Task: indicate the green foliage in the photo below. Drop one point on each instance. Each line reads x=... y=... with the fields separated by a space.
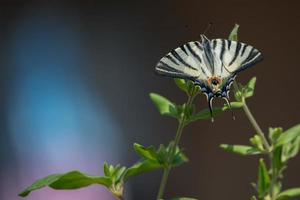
x=140 y=167
x=274 y=134
x=164 y=106
x=281 y=146
x=181 y=84
x=40 y=184
x=187 y=86
x=284 y=145
x=245 y=91
x=289 y=136
x=234 y=33
x=257 y=142
x=248 y=91
x=114 y=176
x=263 y=182
x=289 y=194
x=161 y=157
x=240 y=149
x=70 y=180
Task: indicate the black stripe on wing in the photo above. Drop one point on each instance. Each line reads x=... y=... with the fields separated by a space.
x=254 y=57
x=197 y=57
x=180 y=59
x=188 y=46
x=236 y=53
x=222 y=50
x=173 y=60
x=164 y=69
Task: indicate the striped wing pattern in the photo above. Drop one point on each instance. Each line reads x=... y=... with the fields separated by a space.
x=235 y=56
x=186 y=61
x=189 y=61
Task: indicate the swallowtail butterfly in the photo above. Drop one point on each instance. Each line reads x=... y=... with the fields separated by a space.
x=211 y=64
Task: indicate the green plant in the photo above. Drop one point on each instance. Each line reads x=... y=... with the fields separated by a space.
x=279 y=148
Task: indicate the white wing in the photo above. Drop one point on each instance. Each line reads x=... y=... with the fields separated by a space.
x=187 y=61
x=235 y=56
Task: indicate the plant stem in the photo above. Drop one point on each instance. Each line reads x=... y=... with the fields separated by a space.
x=274 y=175
x=274 y=178
x=168 y=168
x=255 y=125
x=163 y=183
x=253 y=121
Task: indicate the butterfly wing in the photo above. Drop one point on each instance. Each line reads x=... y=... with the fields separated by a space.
x=235 y=56
x=186 y=61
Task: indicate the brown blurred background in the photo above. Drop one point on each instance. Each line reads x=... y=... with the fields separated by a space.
x=120 y=43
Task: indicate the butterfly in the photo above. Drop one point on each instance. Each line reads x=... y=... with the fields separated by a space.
x=211 y=64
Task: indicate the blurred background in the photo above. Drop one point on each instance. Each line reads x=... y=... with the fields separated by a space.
x=75 y=78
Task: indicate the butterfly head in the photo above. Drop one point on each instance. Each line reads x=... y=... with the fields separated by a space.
x=215 y=83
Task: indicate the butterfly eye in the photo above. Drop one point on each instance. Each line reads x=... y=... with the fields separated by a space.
x=215 y=82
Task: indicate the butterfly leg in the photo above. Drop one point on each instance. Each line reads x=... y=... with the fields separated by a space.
x=210 y=99
x=229 y=106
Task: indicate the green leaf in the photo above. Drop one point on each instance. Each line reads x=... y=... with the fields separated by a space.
x=155 y=159
x=238 y=96
x=234 y=33
x=253 y=198
x=294 y=149
x=142 y=166
x=289 y=135
x=274 y=134
x=76 y=179
x=118 y=174
x=249 y=88
x=290 y=149
x=256 y=141
x=192 y=89
x=43 y=182
x=181 y=83
x=106 y=169
x=236 y=104
x=164 y=154
x=164 y=106
x=147 y=153
x=70 y=180
x=277 y=159
x=205 y=114
x=263 y=182
x=288 y=194
x=179 y=158
x=277 y=188
x=240 y=149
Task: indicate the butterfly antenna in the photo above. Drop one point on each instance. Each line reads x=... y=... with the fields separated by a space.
x=210 y=101
x=229 y=106
x=207 y=27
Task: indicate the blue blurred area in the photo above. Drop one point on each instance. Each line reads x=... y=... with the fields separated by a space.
x=55 y=124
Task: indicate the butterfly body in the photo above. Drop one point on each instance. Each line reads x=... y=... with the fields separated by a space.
x=211 y=64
